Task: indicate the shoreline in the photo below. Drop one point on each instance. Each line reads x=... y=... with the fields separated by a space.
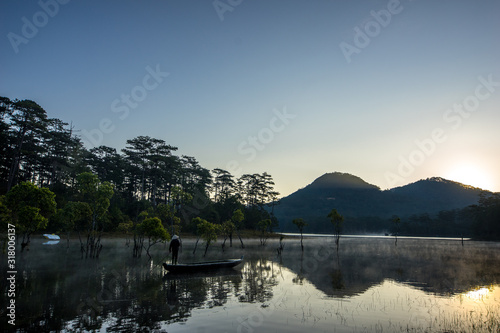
x=293 y=234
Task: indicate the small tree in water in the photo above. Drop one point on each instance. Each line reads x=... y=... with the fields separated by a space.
x=76 y=216
x=125 y=228
x=396 y=221
x=337 y=221
x=227 y=228
x=237 y=219
x=97 y=195
x=264 y=226
x=197 y=221
x=153 y=229
x=31 y=208
x=208 y=232
x=300 y=223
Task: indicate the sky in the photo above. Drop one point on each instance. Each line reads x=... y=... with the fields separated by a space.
x=390 y=91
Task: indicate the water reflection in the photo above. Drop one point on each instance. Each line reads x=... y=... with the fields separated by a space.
x=57 y=291
x=479 y=293
x=439 y=267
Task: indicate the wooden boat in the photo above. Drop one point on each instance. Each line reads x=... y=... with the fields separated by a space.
x=203 y=266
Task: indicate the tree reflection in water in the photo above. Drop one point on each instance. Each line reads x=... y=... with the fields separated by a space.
x=57 y=291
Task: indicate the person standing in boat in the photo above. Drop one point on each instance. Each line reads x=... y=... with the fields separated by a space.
x=175 y=244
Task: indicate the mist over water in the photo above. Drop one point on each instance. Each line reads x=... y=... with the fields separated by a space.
x=369 y=285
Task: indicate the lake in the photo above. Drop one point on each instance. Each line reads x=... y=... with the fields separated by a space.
x=369 y=285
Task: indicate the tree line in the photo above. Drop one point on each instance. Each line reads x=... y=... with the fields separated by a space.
x=479 y=221
x=100 y=189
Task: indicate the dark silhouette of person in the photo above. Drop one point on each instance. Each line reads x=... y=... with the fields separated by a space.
x=175 y=244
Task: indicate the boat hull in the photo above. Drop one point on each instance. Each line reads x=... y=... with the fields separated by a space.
x=202 y=266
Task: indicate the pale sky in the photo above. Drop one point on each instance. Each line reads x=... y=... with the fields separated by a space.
x=390 y=91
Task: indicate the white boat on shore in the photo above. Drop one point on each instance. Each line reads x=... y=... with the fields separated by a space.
x=51 y=236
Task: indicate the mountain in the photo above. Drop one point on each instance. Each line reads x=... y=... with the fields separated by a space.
x=433 y=195
x=364 y=203
x=341 y=181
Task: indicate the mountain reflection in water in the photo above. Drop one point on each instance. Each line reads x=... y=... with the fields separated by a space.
x=368 y=285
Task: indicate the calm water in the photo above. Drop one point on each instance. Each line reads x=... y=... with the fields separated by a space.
x=369 y=286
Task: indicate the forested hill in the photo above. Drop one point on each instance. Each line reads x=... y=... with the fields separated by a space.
x=363 y=204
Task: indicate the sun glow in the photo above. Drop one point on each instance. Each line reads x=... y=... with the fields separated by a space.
x=472 y=175
x=478 y=294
